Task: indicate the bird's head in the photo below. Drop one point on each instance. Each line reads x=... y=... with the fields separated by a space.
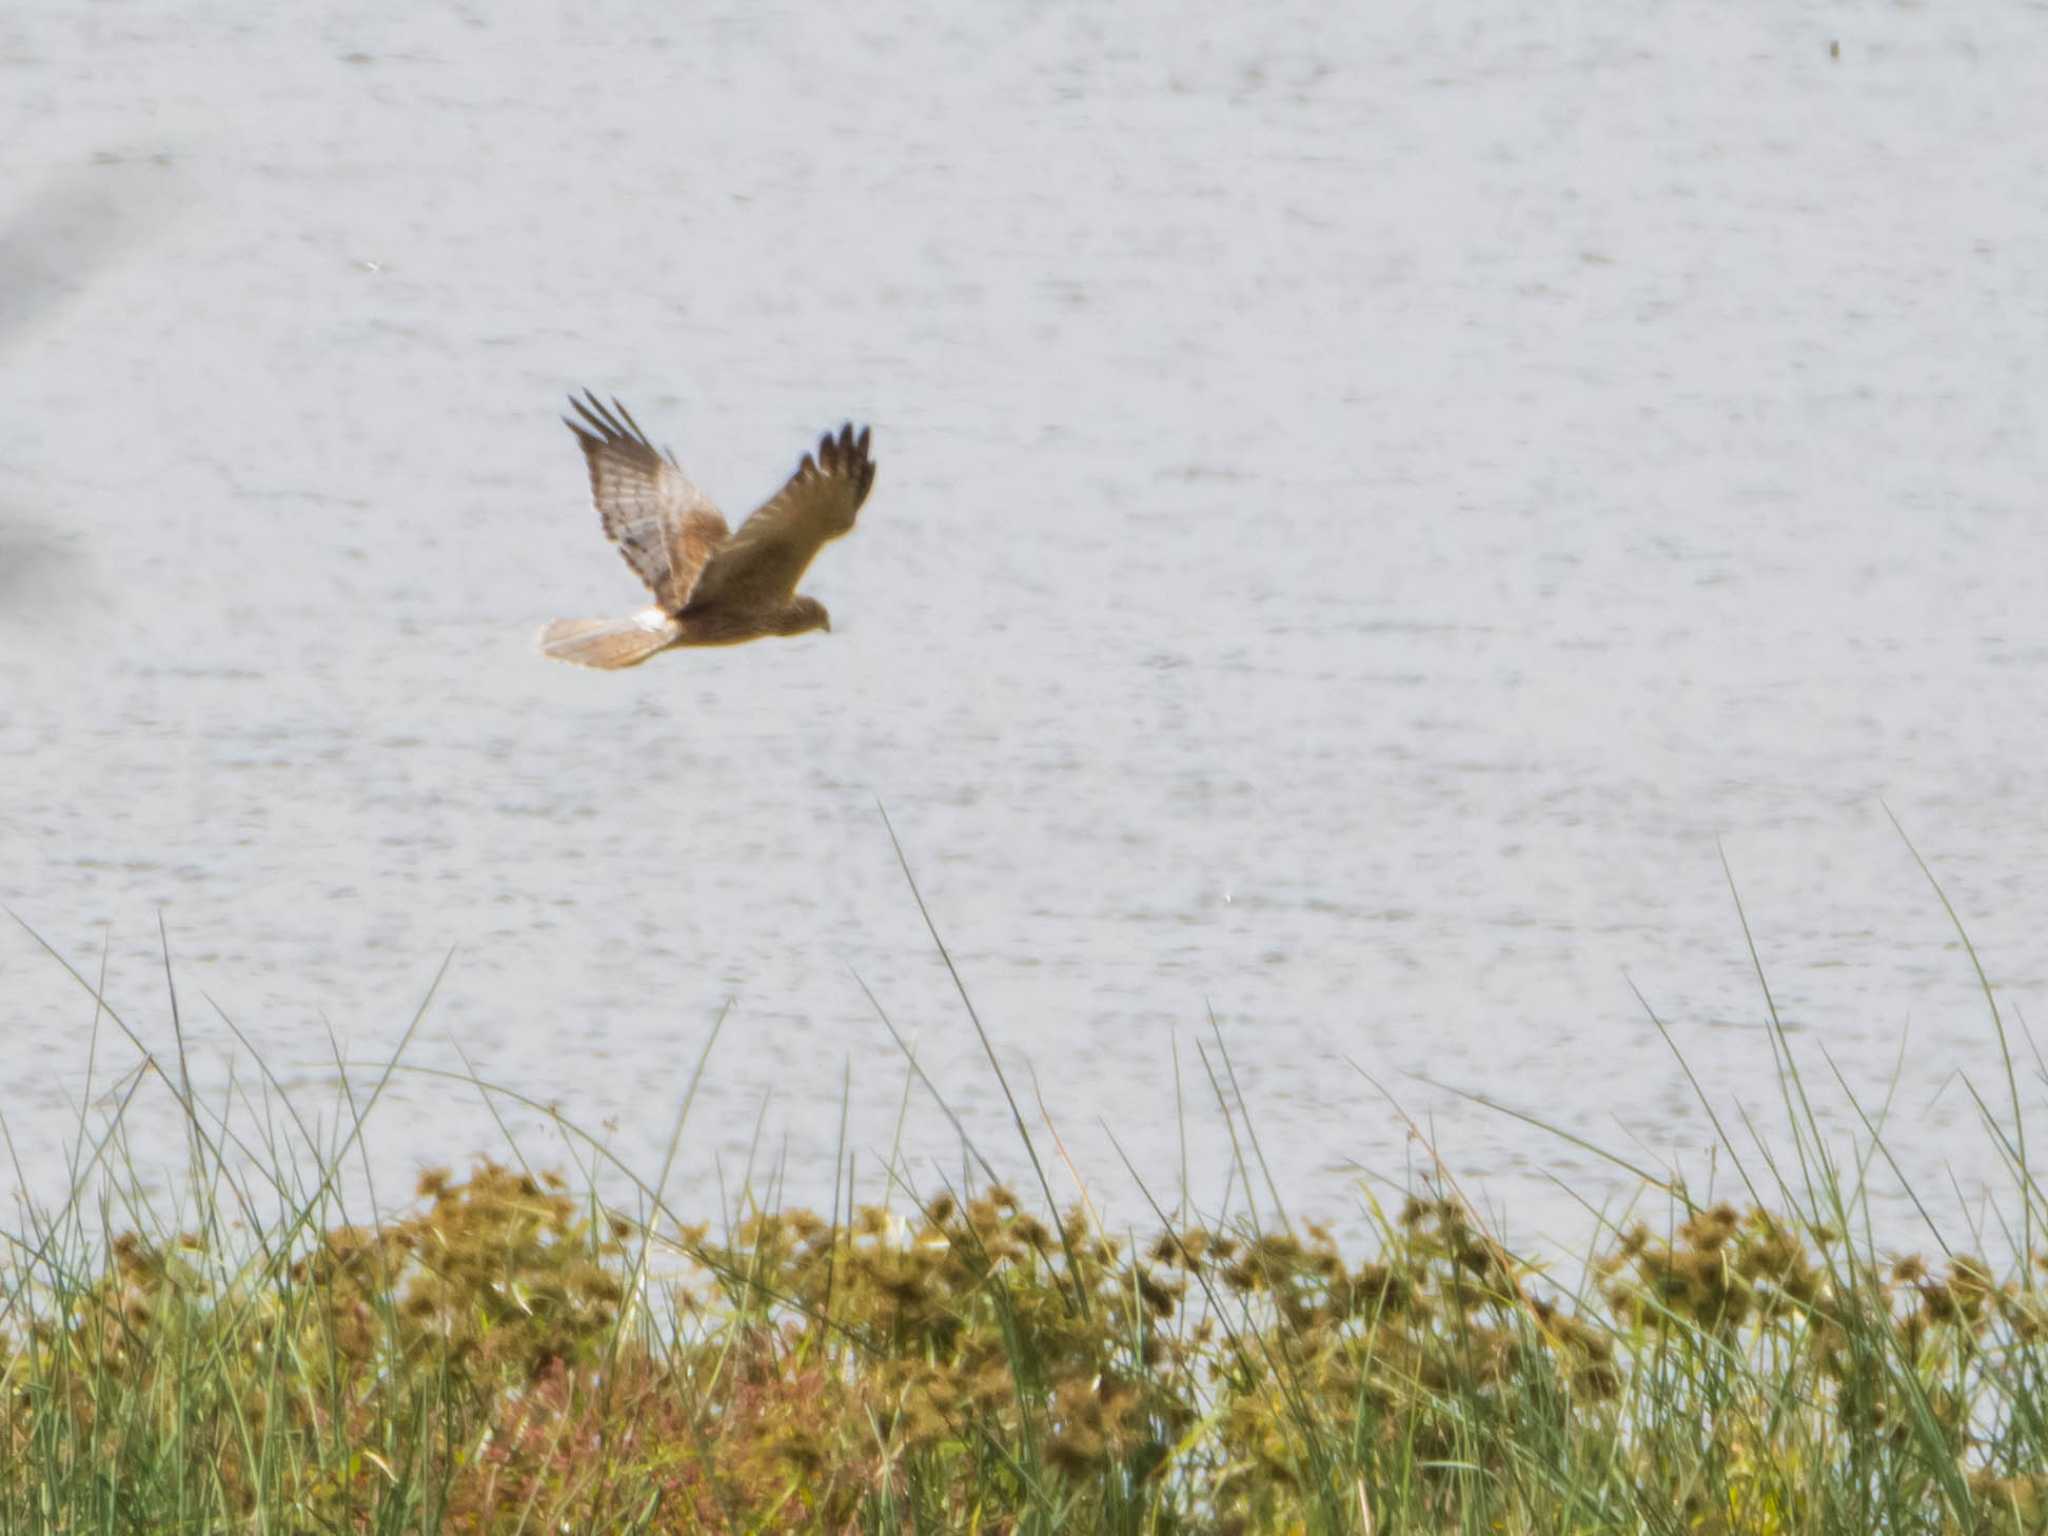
x=802 y=615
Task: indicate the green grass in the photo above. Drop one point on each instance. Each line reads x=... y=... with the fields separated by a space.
x=508 y=1353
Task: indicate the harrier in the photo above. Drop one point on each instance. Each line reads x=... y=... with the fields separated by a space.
x=711 y=586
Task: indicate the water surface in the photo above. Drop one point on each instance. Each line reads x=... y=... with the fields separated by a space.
x=1371 y=508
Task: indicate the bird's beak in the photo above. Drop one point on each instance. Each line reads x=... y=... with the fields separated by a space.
x=828 y=624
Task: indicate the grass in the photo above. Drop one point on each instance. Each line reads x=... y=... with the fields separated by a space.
x=511 y=1353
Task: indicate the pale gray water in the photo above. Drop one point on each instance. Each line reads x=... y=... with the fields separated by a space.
x=1368 y=499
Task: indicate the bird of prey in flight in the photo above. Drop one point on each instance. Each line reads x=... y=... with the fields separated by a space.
x=711 y=586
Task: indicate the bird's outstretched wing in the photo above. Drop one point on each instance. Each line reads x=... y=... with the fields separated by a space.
x=761 y=564
x=665 y=527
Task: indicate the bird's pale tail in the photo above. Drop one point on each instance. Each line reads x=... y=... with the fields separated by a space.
x=608 y=643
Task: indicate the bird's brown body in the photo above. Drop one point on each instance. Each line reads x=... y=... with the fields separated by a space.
x=723 y=624
x=711 y=586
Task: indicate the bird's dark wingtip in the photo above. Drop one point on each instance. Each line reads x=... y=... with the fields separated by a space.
x=844 y=448
x=591 y=409
x=633 y=427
